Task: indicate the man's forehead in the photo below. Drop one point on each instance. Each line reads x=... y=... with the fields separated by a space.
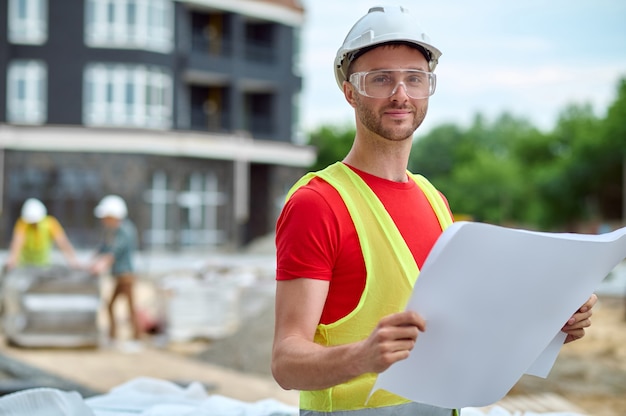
x=416 y=61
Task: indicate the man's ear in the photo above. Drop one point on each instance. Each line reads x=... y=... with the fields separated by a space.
x=348 y=92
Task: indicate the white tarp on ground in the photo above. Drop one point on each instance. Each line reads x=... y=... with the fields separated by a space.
x=43 y=402
x=138 y=397
x=154 y=397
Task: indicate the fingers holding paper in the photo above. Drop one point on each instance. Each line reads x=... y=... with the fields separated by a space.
x=392 y=340
x=581 y=319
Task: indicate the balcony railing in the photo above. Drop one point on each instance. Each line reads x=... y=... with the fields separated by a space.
x=259 y=52
x=217 y=122
x=200 y=43
x=260 y=125
x=223 y=46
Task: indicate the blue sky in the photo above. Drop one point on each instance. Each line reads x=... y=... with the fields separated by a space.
x=530 y=58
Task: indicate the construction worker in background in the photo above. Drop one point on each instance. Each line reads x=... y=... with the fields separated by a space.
x=34 y=235
x=115 y=255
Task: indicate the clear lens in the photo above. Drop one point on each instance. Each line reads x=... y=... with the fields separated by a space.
x=385 y=82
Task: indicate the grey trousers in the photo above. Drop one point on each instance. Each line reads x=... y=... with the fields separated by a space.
x=408 y=409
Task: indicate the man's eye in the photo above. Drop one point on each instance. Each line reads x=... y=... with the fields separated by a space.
x=381 y=79
x=416 y=79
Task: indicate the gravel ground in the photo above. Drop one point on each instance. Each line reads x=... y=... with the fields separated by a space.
x=591 y=373
x=249 y=349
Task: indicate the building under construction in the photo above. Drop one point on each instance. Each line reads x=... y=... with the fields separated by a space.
x=186 y=109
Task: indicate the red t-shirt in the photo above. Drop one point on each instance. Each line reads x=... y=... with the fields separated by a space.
x=316 y=238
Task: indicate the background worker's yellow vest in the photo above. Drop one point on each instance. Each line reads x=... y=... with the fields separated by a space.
x=37 y=243
x=391 y=273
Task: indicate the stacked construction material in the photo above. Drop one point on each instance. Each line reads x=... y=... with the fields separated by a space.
x=51 y=306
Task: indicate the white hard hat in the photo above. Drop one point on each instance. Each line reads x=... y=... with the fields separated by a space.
x=382 y=24
x=33 y=211
x=111 y=206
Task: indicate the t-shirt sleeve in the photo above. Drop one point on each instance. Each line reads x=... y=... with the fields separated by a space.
x=306 y=237
x=55 y=227
x=20 y=227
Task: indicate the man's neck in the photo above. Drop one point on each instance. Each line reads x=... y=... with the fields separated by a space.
x=387 y=160
x=383 y=166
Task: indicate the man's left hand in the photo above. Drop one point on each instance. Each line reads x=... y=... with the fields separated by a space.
x=575 y=326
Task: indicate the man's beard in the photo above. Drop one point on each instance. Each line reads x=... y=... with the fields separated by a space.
x=373 y=121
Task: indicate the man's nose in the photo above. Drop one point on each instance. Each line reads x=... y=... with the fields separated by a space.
x=395 y=94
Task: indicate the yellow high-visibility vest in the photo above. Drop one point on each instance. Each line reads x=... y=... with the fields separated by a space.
x=391 y=273
x=38 y=240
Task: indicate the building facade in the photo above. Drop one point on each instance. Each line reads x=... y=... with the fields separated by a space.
x=186 y=109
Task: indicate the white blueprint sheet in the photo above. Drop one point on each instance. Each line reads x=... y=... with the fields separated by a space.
x=494 y=300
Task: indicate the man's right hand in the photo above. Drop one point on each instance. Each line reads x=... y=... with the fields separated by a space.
x=392 y=340
x=299 y=363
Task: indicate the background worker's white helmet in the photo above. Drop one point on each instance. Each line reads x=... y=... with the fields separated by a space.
x=382 y=24
x=33 y=211
x=111 y=206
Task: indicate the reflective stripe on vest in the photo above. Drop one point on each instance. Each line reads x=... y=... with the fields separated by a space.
x=391 y=272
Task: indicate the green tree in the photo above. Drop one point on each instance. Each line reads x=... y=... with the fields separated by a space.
x=434 y=155
x=567 y=185
x=615 y=127
x=332 y=143
x=613 y=180
x=476 y=168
